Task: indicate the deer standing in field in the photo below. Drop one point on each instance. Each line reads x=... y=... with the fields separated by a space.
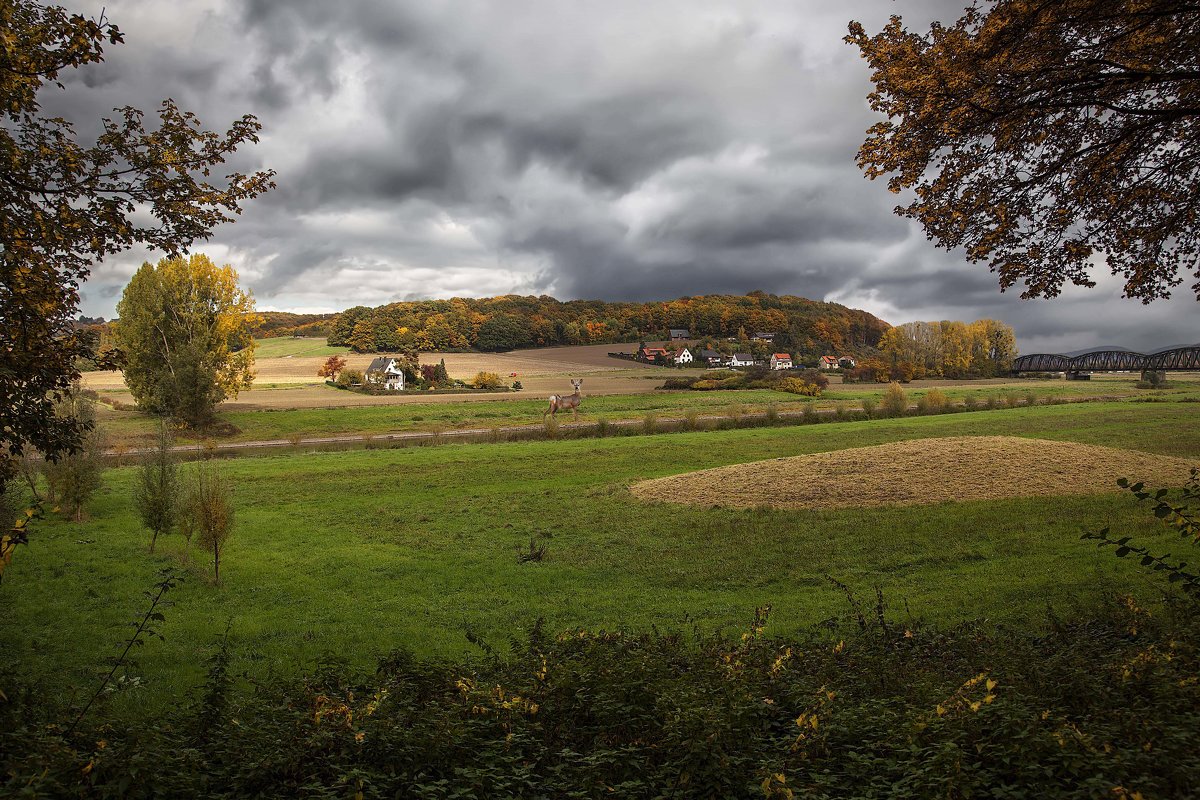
x=563 y=402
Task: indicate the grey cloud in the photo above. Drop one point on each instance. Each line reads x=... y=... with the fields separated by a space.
x=616 y=150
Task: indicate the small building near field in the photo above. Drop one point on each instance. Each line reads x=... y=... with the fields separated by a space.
x=684 y=356
x=650 y=354
x=741 y=360
x=385 y=373
x=829 y=362
x=846 y=362
x=781 y=361
x=680 y=333
x=710 y=357
x=764 y=336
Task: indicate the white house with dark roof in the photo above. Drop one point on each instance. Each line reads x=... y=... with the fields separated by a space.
x=385 y=372
x=741 y=360
x=684 y=356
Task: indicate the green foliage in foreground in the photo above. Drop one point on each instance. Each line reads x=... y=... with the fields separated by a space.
x=1102 y=708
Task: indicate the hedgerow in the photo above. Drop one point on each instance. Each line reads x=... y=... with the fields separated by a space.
x=862 y=707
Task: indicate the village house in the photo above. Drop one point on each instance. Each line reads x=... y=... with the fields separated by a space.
x=829 y=362
x=846 y=362
x=781 y=361
x=386 y=373
x=684 y=356
x=712 y=357
x=763 y=336
x=741 y=360
x=680 y=333
x=649 y=354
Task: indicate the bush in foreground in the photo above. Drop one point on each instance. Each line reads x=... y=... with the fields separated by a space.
x=1101 y=708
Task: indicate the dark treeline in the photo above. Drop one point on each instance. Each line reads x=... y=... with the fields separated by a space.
x=801 y=326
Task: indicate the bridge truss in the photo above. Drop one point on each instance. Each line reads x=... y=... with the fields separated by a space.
x=1181 y=358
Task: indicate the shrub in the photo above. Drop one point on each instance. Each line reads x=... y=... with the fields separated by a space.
x=798 y=386
x=869 y=405
x=74 y=477
x=1153 y=379
x=486 y=380
x=157 y=491
x=349 y=377
x=882 y=704
x=208 y=510
x=809 y=413
x=1031 y=399
x=969 y=402
x=895 y=401
x=517 y=386
x=932 y=402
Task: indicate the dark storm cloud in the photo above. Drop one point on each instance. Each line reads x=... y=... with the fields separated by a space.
x=616 y=150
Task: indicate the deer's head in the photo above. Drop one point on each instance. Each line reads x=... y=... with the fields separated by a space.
x=577 y=384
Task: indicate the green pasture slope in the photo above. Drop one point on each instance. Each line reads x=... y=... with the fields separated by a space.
x=350 y=554
x=283 y=346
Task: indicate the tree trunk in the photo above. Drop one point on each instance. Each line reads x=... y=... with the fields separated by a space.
x=217 y=564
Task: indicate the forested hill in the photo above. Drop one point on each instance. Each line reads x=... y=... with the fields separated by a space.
x=801 y=326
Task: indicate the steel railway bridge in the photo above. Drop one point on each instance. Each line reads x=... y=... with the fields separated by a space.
x=1181 y=358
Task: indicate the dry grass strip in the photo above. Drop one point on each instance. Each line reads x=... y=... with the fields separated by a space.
x=916 y=472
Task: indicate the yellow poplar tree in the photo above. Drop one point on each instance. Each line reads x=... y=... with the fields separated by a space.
x=184 y=327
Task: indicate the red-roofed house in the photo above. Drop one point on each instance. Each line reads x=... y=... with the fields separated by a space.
x=781 y=361
x=829 y=362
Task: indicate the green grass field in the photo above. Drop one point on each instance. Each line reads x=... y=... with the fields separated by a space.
x=349 y=554
x=282 y=346
x=132 y=427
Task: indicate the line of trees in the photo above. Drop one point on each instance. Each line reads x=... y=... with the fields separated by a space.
x=946 y=349
x=512 y=321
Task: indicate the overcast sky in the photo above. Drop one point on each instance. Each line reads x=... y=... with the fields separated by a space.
x=603 y=150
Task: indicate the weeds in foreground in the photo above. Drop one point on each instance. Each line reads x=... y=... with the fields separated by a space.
x=951 y=712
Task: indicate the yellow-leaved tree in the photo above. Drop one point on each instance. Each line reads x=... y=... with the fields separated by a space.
x=184 y=326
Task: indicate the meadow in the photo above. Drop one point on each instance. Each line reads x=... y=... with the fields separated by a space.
x=350 y=554
x=325 y=411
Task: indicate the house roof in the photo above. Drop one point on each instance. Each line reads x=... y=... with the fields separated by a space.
x=829 y=358
x=709 y=354
x=380 y=363
x=743 y=356
x=782 y=356
x=674 y=331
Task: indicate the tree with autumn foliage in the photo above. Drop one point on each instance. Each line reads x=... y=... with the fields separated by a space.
x=184 y=326
x=67 y=203
x=981 y=349
x=1046 y=137
x=332 y=366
